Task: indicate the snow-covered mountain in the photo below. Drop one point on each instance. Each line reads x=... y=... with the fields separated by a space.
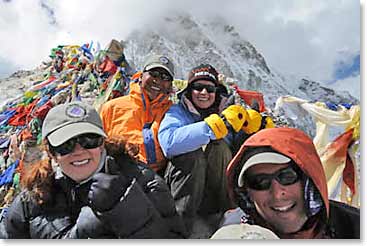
x=189 y=42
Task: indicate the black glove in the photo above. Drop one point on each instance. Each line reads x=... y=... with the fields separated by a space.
x=107 y=188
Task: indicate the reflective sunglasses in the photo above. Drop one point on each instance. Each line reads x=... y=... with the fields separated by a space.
x=160 y=75
x=87 y=141
x=285 y=176
x=200 y=87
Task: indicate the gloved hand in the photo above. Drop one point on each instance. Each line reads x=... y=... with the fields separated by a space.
x=256 y=122
x=107 y=188
x=253 y=122
x=59 y=98
x=236 y=116
x=268 y=122
x=216 y=123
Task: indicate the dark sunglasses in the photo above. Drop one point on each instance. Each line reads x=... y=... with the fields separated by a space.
x=200 y=87
x=160 y=75
x=87 y=141
x=285 y=176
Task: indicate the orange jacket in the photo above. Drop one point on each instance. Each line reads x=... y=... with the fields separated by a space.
x=125 y=117
x=290 y=142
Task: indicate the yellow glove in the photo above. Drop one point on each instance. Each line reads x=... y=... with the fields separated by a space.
x=253 y=122
x=269 y=122
x=236 y=116
x=217 y=125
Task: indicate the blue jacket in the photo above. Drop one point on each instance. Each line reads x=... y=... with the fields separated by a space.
x=182 y=130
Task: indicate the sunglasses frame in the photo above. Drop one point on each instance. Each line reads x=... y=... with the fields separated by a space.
x=160 y=75
x=199 y=87
x=87 y=141
x=251 y=181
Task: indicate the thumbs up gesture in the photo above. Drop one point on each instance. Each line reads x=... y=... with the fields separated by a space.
x=107 y=188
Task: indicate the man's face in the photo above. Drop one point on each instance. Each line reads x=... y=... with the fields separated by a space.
x=282 y=206
x=156 y=81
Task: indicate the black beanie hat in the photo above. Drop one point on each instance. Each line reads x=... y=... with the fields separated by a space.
x=203 y=72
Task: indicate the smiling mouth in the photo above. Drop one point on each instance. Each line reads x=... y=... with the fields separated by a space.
x=203 y=99
x=154 y=88
x=283 y=209
x=80 y=163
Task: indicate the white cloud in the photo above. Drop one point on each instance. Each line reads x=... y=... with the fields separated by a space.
x=300 y=37
x=351 y=84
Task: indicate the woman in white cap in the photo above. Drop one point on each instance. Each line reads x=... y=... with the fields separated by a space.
x=81 y=191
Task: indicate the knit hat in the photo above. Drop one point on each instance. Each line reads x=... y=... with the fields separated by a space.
x=203 y=72
x=161 y=61
x=69 y=120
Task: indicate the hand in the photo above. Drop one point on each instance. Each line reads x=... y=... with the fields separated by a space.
x=107 y=188
x=217 y=125
x=253 y=122
x=236 y=116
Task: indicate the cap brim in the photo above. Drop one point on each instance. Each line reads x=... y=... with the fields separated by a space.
x=244 y=231
x=161 y=66
x=67 y=132
x=264 y=157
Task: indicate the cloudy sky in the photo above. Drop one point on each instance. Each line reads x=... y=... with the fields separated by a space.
x=317 y=39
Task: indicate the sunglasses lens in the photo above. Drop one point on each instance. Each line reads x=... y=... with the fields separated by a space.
x=201 y=87
x=287 y=176
x=65 y=148
x=87 y=141
x=160 y=75
x=259 y=182
x=90 y=141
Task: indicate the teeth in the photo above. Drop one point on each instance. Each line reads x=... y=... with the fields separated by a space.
x=203 y=99
x=79 y=163
x=283 y=209
x=155 y=88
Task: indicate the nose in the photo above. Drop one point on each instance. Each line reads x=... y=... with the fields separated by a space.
x=277 y=190
x=77 y=148
x=204 y=91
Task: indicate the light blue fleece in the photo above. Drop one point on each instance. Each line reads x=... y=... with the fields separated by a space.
x=181 y=132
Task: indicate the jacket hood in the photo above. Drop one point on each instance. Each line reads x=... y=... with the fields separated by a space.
x=290 y=142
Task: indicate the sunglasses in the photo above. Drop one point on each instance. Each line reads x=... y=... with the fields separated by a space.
x=160 y=75
x=87 y=141
x=285 y=176
x=201 y=87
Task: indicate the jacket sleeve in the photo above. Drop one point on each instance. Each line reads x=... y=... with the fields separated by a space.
x=177 y=136
x=25 y=220
x=15 y=222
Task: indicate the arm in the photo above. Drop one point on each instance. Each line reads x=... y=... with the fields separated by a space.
x=177 y=136
x=27 y=220
x=128 y=205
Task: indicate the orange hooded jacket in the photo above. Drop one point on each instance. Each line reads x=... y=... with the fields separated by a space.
x=125 y=117
x=299 y=147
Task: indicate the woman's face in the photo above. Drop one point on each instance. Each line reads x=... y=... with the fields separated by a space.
x=81 y=163
x=202 y=94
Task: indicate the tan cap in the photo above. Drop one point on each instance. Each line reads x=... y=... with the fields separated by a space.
x=244 y=231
